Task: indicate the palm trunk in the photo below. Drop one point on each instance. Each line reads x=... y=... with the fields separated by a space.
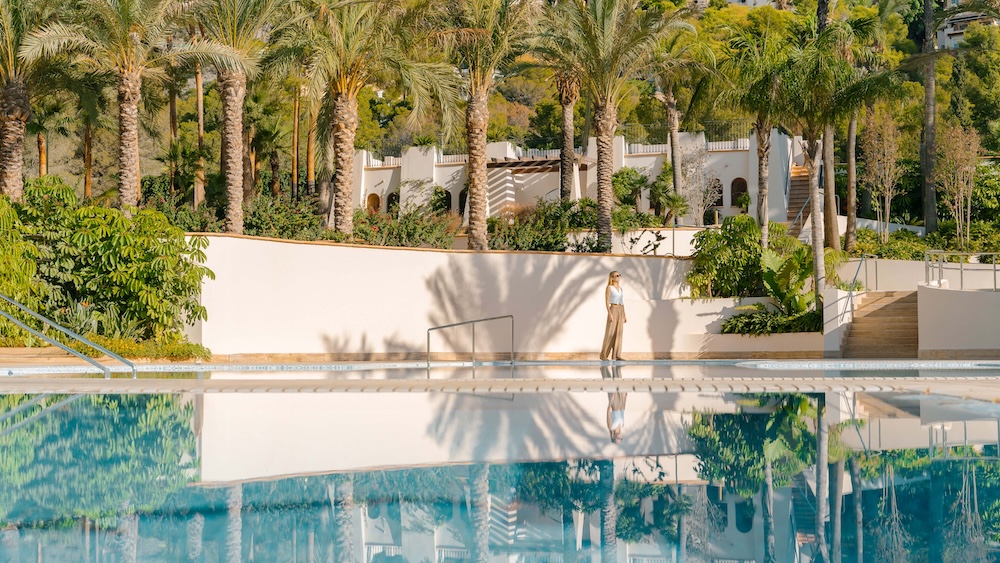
x=199 y=172
x=275 y=174
x=195 y=536
x=233 y=88
x=234 y=524
x=88 y=160
x=682 y=531
x=609 y=513
x=674 y=123
x=850 y=238
x=15 y=109
x=249 y=181
x=343 y=516
x=763 y=132
x=569 y=94
x=311 y=149
x=86 y=539
x=812 y=158
x=477 y=116
x=172 y=118
x=859 y=513
x=928 y=150
x=822 y=478
x=295 y=143
x=479 y=511
x=128 y=535
x=568 y=534
x=43 y=154
x=831 y=234
x=836 y=506
x=129 y=85
x=605 y=123
x=345 y=127
x=767 y=511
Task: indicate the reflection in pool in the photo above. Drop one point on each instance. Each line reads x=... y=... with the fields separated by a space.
x=524 y=477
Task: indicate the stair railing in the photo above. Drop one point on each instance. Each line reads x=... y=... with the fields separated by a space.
x=854 y=282
x=795 y=221
x=67 y=332
x=936 y=259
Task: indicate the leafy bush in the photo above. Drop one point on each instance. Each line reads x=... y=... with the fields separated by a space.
x=280 y=216
x=544 y=226
x=18 y=271
x=627 y=185
x=416 y=227
x=204 y=219
x=174 y=350
x=902 y=245
x=727 y=260
x=760 y=323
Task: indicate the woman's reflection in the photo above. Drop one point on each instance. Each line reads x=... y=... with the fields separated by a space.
x=616 y=404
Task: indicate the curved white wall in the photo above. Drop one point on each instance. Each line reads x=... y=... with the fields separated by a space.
x=958 y=324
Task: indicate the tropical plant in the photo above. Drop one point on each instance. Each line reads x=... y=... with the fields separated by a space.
x=127 y=39
x=785 y=279
x=610 y=42
x=727 y=260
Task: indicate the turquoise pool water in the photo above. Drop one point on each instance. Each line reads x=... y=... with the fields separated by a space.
x=495 y=476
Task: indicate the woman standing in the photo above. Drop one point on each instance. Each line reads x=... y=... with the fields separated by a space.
x=615 y=303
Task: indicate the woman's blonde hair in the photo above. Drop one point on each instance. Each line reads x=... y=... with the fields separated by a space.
x=611 y=277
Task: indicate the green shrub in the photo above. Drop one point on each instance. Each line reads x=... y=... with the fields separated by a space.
x=727 y=260
x=902 y=245
x=761 y=323
x=416 y=228
x=204 y=219
x=282 y=217
x=175 y=350
x=627 y=185
x=18 y=271
x=542 y=227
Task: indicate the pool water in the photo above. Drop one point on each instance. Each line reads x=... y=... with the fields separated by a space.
x=496 y=476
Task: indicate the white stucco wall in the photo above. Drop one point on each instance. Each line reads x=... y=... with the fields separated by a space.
x=955 y=323
x=284 y=297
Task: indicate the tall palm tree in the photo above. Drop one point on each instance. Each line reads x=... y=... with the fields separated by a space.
x=234 y=523
x=19 y=19
x=754 y=61
x=612 y=42
x=487 y=36
x=357 y=44
x=567 y=80
x=479 y=511
x=128 y=39
x=49 y=117
x=239 y=25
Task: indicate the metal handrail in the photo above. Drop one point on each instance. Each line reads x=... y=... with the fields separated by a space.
x=67 y=332
x=854 y=282
x=940 y=255
x=473 y=323
x=796 y=220
x=45 y=411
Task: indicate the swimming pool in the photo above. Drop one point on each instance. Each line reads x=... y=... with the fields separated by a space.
x=513 y=464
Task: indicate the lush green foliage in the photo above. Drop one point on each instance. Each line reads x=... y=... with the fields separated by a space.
x=762 y=323
x=727 y=260
x=416 y=227
x=280 y=216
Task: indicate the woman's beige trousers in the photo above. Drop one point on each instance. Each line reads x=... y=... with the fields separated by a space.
x=612 y=348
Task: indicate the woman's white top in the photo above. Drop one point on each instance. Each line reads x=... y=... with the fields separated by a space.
x=617 y=296
x=617 y=419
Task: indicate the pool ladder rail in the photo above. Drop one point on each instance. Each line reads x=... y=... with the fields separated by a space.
x=82 y=339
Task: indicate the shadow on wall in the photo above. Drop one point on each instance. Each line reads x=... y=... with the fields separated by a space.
x=474 y=287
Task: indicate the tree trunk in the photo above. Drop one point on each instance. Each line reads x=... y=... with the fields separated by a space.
x=128 y=535
x=836 y=508
x=195 y=536
x=850 y=233
x=605 y=123
x=822 y=15
x=296 y=102
x=343 y=516
x=674 y=122
x=345 y=127
x=172 y=118
x=928 y=150
x=568 y=534
x=822 y=478
x=129 y=86
x=199 y=172
x=936 y=549
x=859 y=513
x=831 y=235
x=10 y=541
x=682 y=531
x=767 y=511
x=275 y=173
x=249 y=181
x=15 y=108
x=233 y=89
x=763 y=132
x=234 y=523
x=609 y=513
x=569 y=93
x=43 y=154
x=86 y=539
x=812 y=158
x=88 y=160
x=311 y=149
x=479 y=511
x=477 y=116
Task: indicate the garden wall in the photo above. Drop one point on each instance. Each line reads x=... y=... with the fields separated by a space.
x=354 y=302
x=958 y=324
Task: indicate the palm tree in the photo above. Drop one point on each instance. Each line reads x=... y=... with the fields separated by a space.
x=479 y=511
x=568 y=87
x=612 y=42
x=356 y=44
x=239 y=25
x=19 y=19
x=928 y=150
x=754 y=61
x=234 y=523
x=486 y=37
x=49 y=116
x=128 y=39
